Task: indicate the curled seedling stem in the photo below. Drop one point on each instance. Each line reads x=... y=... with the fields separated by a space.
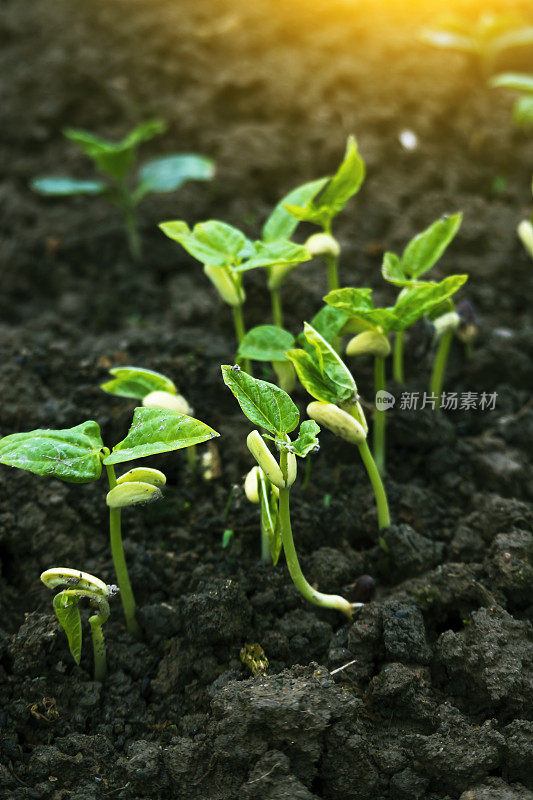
x=80 y=585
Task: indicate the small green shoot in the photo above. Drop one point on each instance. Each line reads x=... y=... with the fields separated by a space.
x=324 y=375
x=322 y=209
x=420 y=255
x=76 y=455
x=81 y=585
x=154 y=390
x=116 y=160
x=258 y=489
x=270 y=408
x=375 y=324
x=485 y=39
x=226 y=253
x=523 y=105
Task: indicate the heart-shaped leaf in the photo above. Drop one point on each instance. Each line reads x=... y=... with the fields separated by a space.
x=266 y=343
x=159 y=430
x=72 y=455
x=264 y=404
x=214 y=243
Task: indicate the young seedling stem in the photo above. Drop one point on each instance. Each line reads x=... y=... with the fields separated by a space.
x=238 y=322
x=377 y=485
x=379 y=415
x=306 y=590
x=397 y=357
x=277 y=310
x=119 y=560
x=439 y=366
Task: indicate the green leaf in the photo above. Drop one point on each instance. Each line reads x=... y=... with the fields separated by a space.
x=214 y=243
x=281 y=224
x=329 y=322
x=330 y=364
x=227 y=536
x=391 y=270
x=167 y=174
x=520 y=81
x=266 y=343
x=307 y=438
x=360 y=307
x=55 y=186
x=425 y=249
x=318 y=385
x=346 y=182
x=136 y=382
x=68 y=616
x=269 y=254
x=159 y=430
x=72 y=454
x=419 y=301
x=114 y=158
x=266 y=405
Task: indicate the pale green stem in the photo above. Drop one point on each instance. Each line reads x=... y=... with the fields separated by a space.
x=130 y=219
x=265 y=547
x=377 y=485
x=277 y=310
x=439 y=366
x=192 y=458
x=238 y=322
x=397 y=359
x=100 y=660
x=333 y=272
x=306 y=590
x=379 y=415
x=119 y=560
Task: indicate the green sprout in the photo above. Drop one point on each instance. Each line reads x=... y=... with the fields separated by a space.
x=325 y=376
x=226 y=253
x=485 y=39
x=153 y=389
x=422 y=252
x=258 y=489
x=322 y=210
x=523 y=106
x=271 y=409
x=81 y=585
x=373 y=326
x=116 y=160
x=525 y=232
x=76 y=455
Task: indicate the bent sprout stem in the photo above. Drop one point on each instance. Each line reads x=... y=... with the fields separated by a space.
x=439 y=366
x=397 y=358
x=119 y=560
x=306 y=590
x=238 y=322
x=379 y=415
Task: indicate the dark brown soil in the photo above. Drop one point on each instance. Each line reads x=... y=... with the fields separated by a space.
x=428 y=694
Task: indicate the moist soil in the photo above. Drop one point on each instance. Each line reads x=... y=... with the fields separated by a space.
x=427 y=694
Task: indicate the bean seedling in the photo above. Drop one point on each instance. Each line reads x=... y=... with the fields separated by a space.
x=153 y=389
x=271 y=409
x=373 y=326
x=116 y=160
x=81 y=585
x=523 y=105
x=226 y=253
x=485 y=39
x=322 y=210
x=422 y=252
x=76 y=455
x=325 y=376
